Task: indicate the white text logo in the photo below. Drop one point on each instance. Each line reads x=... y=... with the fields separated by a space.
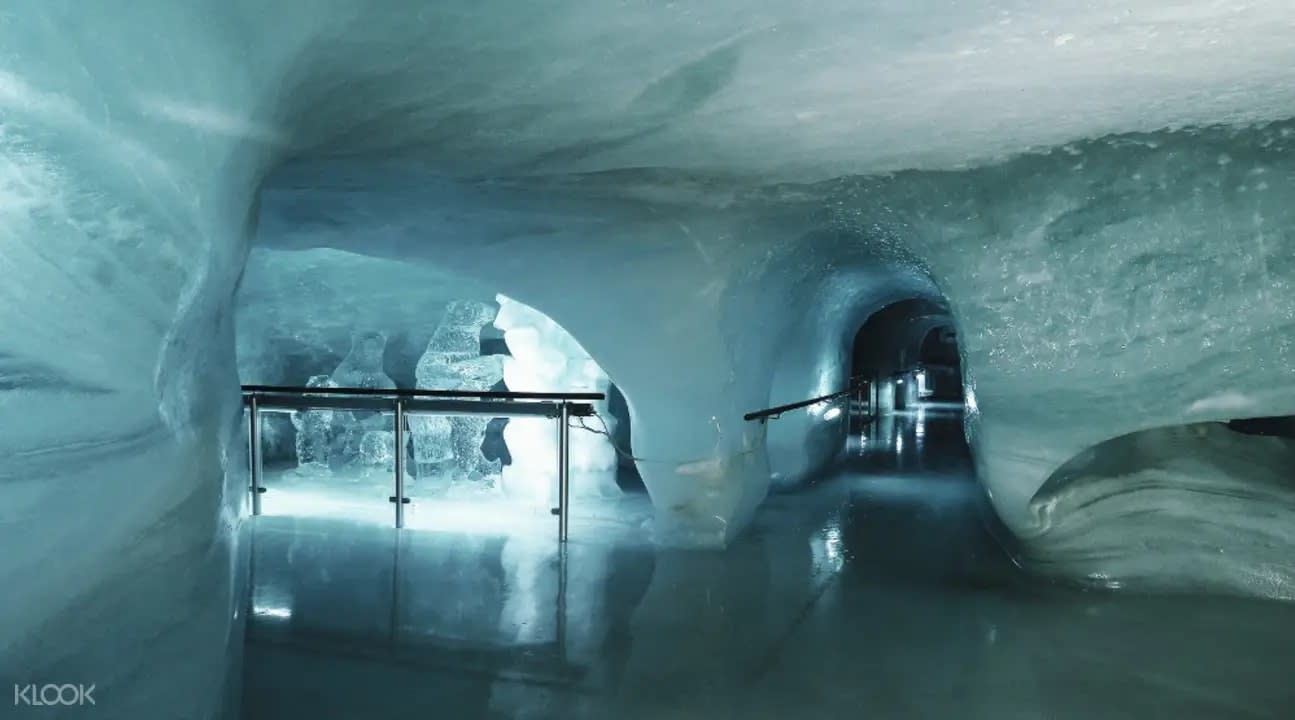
x=44 y=695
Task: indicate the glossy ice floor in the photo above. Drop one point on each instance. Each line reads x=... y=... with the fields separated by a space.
x=876 y=593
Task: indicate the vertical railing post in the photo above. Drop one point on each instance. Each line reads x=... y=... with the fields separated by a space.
x=254 y=452
x=399 y=498
x=564 y=469
x=561 y=620
x=397 y=538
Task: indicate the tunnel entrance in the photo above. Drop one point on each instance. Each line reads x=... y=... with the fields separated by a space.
x=907 y=354
x=1272 y=426
x=938 y=376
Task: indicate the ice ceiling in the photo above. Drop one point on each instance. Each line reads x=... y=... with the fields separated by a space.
x=711 y=197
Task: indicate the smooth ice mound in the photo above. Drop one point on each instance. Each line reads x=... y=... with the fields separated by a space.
x=1163 y=491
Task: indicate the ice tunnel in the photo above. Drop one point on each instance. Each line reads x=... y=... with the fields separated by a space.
x=1095 y=199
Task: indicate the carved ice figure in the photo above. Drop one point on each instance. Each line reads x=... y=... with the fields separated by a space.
x=314 y=432
x=362 y=368
x=377 y=451
x=451 y=446
x=546 y=358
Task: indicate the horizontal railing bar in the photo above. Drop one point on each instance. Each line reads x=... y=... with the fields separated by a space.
x=264 y=390
x=770 y=412
x=423 y=406
x=855 y=384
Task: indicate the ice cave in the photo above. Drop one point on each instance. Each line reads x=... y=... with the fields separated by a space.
x=569 y=359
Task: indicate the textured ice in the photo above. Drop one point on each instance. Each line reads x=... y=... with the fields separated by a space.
x=1091 y=185
x=362 y=368
x=298 y=311
x=378 y=451
x=449 y=448
x=359 y=436
x=433 y=438
x=315 y=432
x=1133 y=283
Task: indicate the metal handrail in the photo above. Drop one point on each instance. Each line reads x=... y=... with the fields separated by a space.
x=773 y=412
x=561 y=406
x=418 y=393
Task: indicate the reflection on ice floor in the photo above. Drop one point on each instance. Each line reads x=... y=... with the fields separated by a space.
x=363 y=497
x=876 y=593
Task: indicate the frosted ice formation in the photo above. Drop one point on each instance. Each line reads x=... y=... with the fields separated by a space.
x=433 y=439
x=362 y=368
x=358 y=436
x=680 y=213
x=545 y=358
x=449 y=448
x=314 y=432
x=378 y=451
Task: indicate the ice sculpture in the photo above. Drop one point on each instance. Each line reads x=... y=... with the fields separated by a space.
x=449 y=448
x=359 y=436
x=314 y=432
x=377 y=452
x=362 y=368
x=433 y=439
x=545 y=358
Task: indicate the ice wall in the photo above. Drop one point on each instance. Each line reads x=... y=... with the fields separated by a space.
x=298 y=311
x=1123 y=285
x=122 y=236
x=1203 y=508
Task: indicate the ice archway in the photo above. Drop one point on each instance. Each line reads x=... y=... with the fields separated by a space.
x=717 y=147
